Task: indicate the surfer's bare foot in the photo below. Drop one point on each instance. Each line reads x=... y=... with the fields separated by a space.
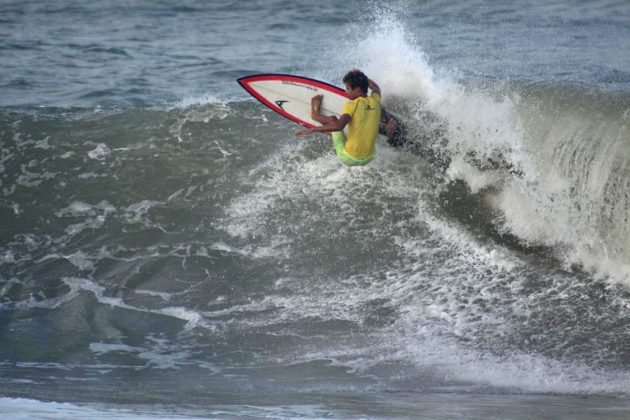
x=316 y=103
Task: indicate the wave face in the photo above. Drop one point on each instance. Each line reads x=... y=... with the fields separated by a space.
x=566 y=141
x=168 y=252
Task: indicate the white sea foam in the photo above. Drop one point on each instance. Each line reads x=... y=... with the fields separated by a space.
x=433 y=325
x=91 y=175
x=8 y=285
x=8 y=257
x=138 y=210
x=32 y=179
x=189 y=101
x=195 y=112
x=161 y=295
x=80 y=208
x=192 y=318
x=158 y=359
x=92 y=223
x=77 y=285
x=29 y=409
x=102 y=348
x=402 y=71
x=42 y=144
x=100 y=152
x=516 y=372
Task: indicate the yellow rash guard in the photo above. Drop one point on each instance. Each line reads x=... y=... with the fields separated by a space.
x=363 y=127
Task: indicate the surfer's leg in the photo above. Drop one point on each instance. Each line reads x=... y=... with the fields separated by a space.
x=339 y=141
x=393 y=129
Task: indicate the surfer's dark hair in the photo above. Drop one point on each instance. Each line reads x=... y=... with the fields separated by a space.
x=356 y=79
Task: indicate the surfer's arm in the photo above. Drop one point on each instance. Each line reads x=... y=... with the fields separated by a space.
x=316 y=103
x=372 y=85
x=337 y=125
x=324 y=119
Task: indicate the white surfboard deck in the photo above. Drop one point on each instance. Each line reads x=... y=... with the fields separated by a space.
x=290 y=96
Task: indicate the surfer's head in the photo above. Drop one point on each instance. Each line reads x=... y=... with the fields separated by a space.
x=356 y=84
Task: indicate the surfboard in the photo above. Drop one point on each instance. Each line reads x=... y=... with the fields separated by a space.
x=290 y=96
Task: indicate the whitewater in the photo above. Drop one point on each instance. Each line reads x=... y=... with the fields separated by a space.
x=170 y=249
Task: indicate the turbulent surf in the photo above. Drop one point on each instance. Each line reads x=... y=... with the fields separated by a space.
x=172 y=248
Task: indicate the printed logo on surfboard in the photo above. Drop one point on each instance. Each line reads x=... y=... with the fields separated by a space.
x=280 y=103
x=301 y=85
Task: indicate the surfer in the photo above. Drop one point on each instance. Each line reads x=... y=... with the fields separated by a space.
x=362 y=115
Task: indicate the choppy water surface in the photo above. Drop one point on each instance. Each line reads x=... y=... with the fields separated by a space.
x=169 y=247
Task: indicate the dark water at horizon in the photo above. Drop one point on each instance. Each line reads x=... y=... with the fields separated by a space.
x=169 y=248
